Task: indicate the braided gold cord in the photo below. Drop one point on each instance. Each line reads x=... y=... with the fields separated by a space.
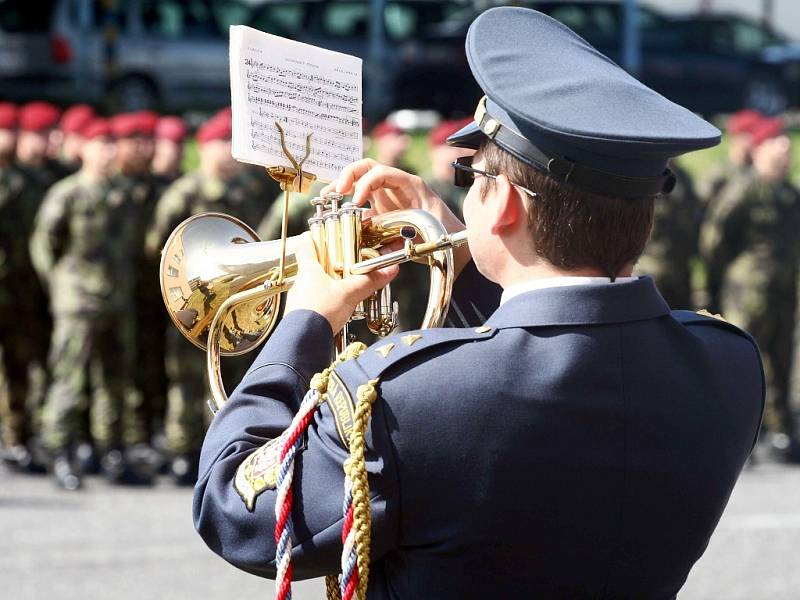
x=332 y=588
x=320 y=381
x=356 y=468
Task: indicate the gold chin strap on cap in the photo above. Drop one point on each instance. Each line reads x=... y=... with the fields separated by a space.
x=491 y=126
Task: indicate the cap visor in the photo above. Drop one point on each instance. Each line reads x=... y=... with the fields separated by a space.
x=467 y=137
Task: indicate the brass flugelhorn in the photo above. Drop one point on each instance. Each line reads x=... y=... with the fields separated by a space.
x=221 y=285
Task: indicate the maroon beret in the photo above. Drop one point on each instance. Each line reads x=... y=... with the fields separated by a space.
x=171 y=128
x=146 y=121
x=217 y=127
x=8 y=115
x=38 y=116
x=445 y=129
x=124 y=125
x=76 y=117
x=385 y=128
x=766 y=129
x=743 y=121
x=96 y=127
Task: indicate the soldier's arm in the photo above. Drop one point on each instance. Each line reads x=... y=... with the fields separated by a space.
x=259 y=410
x=172 y=208
x=50 y=231
x=719 y=234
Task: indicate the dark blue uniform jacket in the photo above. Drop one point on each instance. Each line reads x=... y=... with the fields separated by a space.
x=583 y=444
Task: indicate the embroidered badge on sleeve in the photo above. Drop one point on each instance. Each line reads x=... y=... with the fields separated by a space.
x=341 y=405
x=258 y=472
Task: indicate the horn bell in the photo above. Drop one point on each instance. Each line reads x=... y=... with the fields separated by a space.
x=207 y=259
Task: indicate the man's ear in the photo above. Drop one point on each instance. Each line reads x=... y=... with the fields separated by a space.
x=506 y=206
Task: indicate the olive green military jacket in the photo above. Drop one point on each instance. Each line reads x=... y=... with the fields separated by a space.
x=16 y=217
x=84 y=246
x=196 y=193
x=751 y=234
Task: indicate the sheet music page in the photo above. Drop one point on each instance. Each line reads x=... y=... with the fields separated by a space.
x=304 y=88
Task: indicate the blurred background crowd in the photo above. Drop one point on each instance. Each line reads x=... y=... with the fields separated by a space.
x=94 y=378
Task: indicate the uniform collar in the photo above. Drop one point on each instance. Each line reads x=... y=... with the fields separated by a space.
x=634 y=300
x=551 y=282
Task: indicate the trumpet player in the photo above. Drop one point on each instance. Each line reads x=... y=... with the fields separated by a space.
x=572 y=437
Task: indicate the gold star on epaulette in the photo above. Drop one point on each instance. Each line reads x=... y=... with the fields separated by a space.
x=483 y=329
x=384 y=350
x=411 y=339
x=704 y=312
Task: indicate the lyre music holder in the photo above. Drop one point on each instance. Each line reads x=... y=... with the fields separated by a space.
x=291 y=179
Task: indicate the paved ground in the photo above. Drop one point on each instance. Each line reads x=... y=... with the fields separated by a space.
x=121 y=544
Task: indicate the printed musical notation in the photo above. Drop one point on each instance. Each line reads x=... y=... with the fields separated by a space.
x=305 y=89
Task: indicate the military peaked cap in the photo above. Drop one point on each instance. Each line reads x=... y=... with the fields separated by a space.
x=559 y=105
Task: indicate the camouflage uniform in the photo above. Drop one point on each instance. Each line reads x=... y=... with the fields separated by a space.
x=82 y=245
x=751 y=247
x=192 y=194
x=711 y=184
x=160 y=184
x=300 y=210
x=149 y=379
x=673 y=243
x=24 y=318
x=717 y=256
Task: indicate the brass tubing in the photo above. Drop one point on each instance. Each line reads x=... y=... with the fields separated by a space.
x=213 y=366
x=333 y=244
x=416 y=251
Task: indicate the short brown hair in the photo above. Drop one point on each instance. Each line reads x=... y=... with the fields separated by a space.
x=573 y=228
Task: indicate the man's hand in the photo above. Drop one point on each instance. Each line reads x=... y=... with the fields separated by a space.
x=334 y=299
x=388 y=189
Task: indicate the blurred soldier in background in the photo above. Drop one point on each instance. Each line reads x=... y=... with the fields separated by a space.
x=410 y=288
x=37 y=121
x=389 y=144
x=739 y=128
x=442 y=157
x=21 y=306
x=217 y=186
x=168 y=156
x=300 y=210
x=673 y=242
x=83 y=247
x=135 y=148
x=750 y=243
x=74 y=119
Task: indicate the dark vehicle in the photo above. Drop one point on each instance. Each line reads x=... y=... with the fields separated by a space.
x=708 y=63
x=754 y=66
x=130 y=54
x=416 y=60
x=173 y=54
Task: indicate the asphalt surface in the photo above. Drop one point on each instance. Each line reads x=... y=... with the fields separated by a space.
x=139 y=544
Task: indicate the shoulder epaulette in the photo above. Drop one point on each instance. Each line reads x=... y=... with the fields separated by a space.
x=378 y=358
x=392 y=350
x=703 y=317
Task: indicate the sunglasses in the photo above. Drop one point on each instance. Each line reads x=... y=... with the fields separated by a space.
x=464 y=175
